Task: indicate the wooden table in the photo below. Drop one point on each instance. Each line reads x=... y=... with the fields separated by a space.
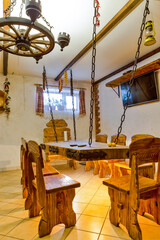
x=97 y=151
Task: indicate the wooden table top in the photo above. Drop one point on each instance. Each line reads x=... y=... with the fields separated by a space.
x=81 y=151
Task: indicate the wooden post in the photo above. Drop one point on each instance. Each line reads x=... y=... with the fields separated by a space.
x=6 y=3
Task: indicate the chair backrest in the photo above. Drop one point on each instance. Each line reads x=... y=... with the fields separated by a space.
x=140 y=136
x=35 y=156
x=121 y=140
x=100 y=137
x=24 y=160
x=146 y=150
x=36 y=151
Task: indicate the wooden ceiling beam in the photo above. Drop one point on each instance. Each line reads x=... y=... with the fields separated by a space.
x=150 y=54
x=123 y=13
x=6 y=3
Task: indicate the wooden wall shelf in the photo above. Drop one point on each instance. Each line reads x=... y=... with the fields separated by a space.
x=155 y=65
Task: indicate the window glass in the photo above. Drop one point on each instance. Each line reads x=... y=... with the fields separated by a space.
x=61 y=101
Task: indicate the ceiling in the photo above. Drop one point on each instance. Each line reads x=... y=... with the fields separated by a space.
x=75 y=17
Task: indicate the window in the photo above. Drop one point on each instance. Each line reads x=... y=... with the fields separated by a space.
x=61 y=101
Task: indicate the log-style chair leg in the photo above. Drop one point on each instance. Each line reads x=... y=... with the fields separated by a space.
x=72 y=163
x=25 y=192
x=69 y=216
x=114 y=211
x=58 y=210
x=34 y=208
x=89 y=165
x=134 y=228
x=28 y=201
x=44 y=228
x=96 y=167
x=158 y=206
x=103 y=168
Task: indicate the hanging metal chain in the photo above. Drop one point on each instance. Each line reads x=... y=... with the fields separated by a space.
x=73 y=109
x=131 y=81
x=50 y=106
x=92 y=76
x=21 y=8
x=48 y=24
x=9 y=9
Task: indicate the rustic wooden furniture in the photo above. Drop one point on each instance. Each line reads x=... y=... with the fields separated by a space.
x=23 y=159
x=49 y=136
x=94 y=164
x=146 y=170
x=107 y=166
x=47 y=170
x=126 y=191
x=81 y=151
x=61 y=126
x=52 y=194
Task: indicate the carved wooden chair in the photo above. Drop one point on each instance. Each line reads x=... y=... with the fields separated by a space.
x=48 y=170
x=23 y=159
x=52 y=195
x=107 y=166
x=146 y=170
x=94 y=164
x=126 y=191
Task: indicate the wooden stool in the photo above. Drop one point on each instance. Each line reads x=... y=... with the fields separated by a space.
x=107 y=166
x=52 y=195
x=126 y=191
x=100 y=137
x=146 y=170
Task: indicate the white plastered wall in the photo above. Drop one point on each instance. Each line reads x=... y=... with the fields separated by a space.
x=23 y=122
x=139 y=119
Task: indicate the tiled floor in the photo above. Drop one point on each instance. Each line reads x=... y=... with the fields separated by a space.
x=91 y=205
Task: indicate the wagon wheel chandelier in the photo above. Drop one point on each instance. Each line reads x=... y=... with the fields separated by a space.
x=27 y=37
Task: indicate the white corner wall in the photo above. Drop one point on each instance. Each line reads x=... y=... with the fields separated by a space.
x=23 y=122
x=139 y=119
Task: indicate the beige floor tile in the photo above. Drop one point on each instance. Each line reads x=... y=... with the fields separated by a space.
x=103 y=187
x=83 y=198
x=87 y=190
x=102 y=193
x=5 y=197
x=25 y=230
x=150 y=232
x=89 y=223
x=6 y=208
x=8 y=223
x=58 y=233
x=8 y=189
x=81 y=235
x=9 y=238
x=96 y=210
x=19 y=201
x=19 y=213
x=101 y=200
x=77 y=216
x=79 y=207
x=111 y=230
x=37 y=219
x=147 y=219
x=104 y=237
